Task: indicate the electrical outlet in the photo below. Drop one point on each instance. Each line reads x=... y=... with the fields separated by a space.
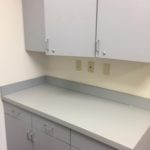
x=106 y=69
x=91 y=66
x=78 y=65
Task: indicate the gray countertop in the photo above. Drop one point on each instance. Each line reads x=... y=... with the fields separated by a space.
x=118 y=125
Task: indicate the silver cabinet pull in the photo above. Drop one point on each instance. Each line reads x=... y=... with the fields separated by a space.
x=52 y=131
x=28 y=135
x=47 y=45
x=97 y=47
x=48 y=130
x=32 y=134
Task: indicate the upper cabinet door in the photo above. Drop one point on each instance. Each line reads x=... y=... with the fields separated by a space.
x=34 y=26
x=70 y=27
x=124 y=29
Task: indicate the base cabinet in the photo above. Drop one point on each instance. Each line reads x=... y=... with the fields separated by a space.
x=16 y=134
x=29 y=132
x=26 y=131
x=49 y=135
x=46 y=142
x=17 y=129
x=81 y=142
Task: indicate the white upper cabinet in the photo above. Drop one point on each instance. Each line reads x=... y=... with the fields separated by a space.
x=117 y=29
x=34 y=26
x=70 y=27
x=124 y=29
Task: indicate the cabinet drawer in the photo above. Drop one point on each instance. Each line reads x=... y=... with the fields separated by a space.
x=17 y=112
x=52 y=129
x=73 y=148
x=81 y=142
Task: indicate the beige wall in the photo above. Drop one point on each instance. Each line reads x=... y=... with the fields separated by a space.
x=15 y=63
x=128 y=77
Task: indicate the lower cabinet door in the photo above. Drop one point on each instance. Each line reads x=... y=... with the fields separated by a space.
x=16 y=131
x=82 y=142
x=73 y=148
x=47 y=142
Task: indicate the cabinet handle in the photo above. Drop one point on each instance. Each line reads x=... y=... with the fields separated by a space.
x=32 y=137
x=97 y=47
x=48 y=130
x=28 y=135
x=52 y=131
x=47 y=45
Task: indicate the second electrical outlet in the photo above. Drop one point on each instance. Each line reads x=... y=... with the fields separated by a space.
x=91 y=66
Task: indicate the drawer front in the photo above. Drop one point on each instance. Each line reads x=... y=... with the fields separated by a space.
x=73 y=148
x=17 y=113
x=52 y=129
x=45 y=142
x=81 y=142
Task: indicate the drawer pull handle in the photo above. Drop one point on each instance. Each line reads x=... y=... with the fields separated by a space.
x=48 y=130
x=28 y=135
x=13 y=111
x=52 y=131
x=32 y=134
x=19 y=113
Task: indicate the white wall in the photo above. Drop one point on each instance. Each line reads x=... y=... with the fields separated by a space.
x=127 y=77
x=15 y=63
